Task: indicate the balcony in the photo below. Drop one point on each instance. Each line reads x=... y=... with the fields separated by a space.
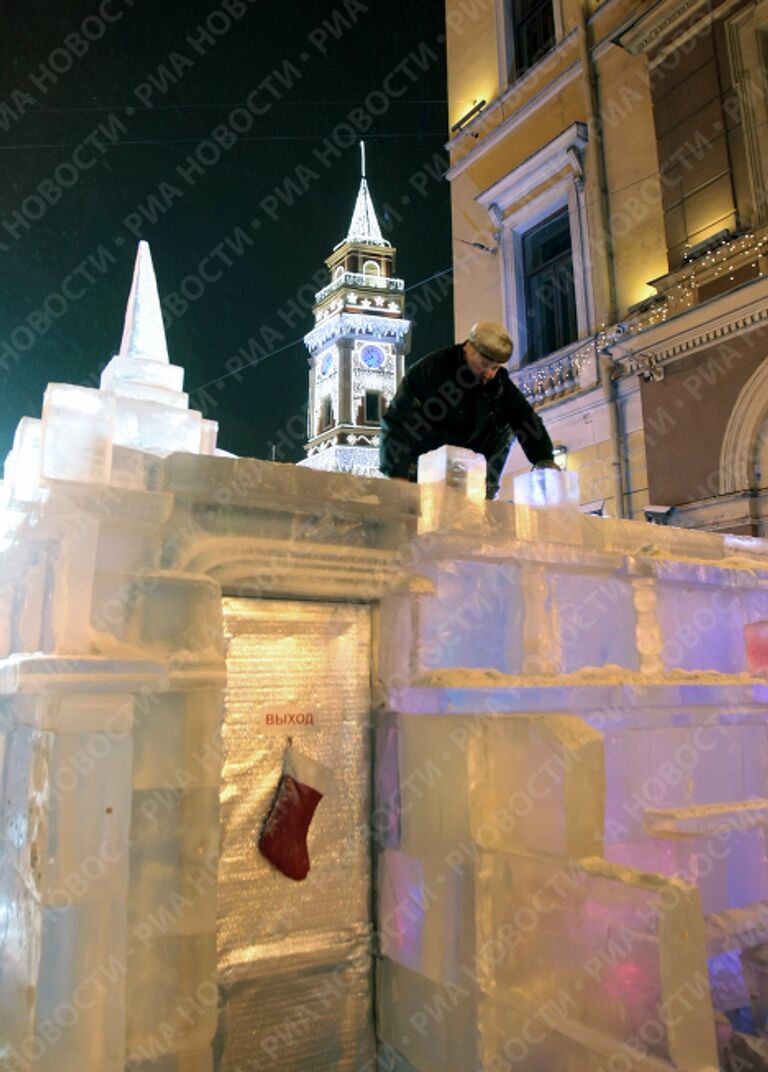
x=357 y=279
x=570 y=370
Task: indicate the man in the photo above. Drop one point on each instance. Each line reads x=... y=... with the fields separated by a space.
x=463 y=396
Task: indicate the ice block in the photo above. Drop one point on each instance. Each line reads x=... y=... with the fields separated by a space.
x=620 y=944
x=171 y=991
x=537 y=784
x=66 y=808
x=78 y=430
x=457 y=468
x=426 y=915
x=433 y=1027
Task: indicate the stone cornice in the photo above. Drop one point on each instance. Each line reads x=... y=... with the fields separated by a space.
x=537 y=169
x=487 y=141
x=668 y=22
x=704 y=325
x=350 y=325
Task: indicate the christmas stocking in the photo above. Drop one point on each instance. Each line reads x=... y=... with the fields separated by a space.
x=283 y=839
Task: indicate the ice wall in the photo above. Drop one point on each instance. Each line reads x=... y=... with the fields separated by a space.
x=571 y=787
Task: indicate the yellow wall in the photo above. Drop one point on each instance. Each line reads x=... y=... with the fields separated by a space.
x=472 y=54
x=634 y=193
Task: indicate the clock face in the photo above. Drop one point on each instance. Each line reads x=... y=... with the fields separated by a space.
x=372 y=356
x=327 y=363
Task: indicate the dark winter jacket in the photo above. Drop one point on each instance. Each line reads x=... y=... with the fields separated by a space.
x=440 y=400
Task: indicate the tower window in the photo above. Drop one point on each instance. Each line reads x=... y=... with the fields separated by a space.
x=372 y=271
x=326 y=413
x=550 y=297
x=533 y=26
x=372 y=407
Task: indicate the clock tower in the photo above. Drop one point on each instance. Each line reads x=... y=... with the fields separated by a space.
x=357 y=347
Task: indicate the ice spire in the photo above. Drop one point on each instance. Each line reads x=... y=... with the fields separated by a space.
x=364 y=226
x=144 y=334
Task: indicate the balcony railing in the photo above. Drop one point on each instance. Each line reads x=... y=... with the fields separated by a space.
x=563 y=374
x=357 y=279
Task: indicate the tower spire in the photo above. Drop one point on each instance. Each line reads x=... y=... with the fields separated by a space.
x=365 y=227
x=144 y=333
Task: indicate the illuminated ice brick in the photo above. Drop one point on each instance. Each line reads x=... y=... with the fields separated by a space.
x=621 y=944
x=174 y=854
x=536 y=784
x=171 y=990
x=735 y=878
x=432 y=1026
x=594 y=615
x=78 y=429
x=73 y=961
x=701 y=620
x=547 y=507
x=547 y=487
x=756 y=642
x=160 y=611
x=155 y=427
x=433 y=784
x=527 y=1038
x=467 y=614
x=177 y=739
x=123 y=372
x=67 y=810
x=23 y=465
x=457 y=468
x=208 y=436
x=141 y=392
x=678 y=767
x=426 y=915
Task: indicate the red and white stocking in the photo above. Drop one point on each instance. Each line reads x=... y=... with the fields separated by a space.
x=283 y=840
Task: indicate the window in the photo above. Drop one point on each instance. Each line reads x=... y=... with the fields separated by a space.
x=546 y=277
x=550 y=295
x=533 y=32
x=326 y=414
x=371 y=271
x=372 y=407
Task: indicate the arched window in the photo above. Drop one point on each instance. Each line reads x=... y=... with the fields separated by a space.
x=372 y=271
x=338 y=272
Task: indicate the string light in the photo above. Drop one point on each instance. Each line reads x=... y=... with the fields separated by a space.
x=557 y=378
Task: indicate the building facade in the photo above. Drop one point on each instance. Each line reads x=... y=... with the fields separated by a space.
x=357 y=347
x=612 y=157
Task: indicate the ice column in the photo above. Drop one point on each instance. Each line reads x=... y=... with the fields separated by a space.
x=110 y=708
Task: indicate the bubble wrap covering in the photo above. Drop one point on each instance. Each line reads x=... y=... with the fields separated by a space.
x=294 y=957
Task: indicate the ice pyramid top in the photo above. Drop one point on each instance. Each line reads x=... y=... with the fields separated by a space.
x=144 y=333
x=143 y=361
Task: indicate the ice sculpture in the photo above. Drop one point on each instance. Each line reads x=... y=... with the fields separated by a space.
x=570 y=801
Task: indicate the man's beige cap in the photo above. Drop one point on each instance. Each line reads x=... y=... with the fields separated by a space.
x=492 y=341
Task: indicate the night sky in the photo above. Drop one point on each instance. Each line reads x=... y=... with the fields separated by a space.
x=224 y=134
